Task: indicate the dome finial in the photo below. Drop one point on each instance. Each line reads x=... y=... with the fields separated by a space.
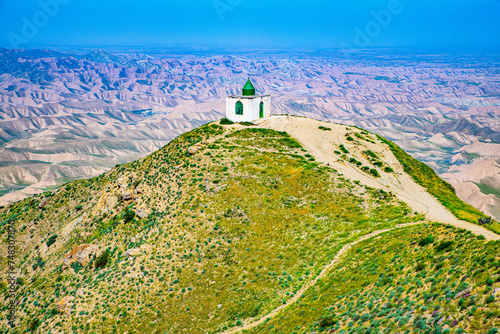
x=248 y=89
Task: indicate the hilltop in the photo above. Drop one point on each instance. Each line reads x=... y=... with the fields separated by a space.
x=67 y=116
x=229 y=225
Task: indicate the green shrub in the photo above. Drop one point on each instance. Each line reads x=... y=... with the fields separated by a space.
x=76 y=266
x=444 y=246
x=102 y=260
x=51 y=240
x=327 y=322
x=290 y=142
x=226 y=121
x=53 y=312
x=324 y=128
x=370 y=154
x=420 y=266
x=39 y=263
x=374 y=172
x=259 y=133
x=34 y=324
x=426 y=241
x=128 y=216
x=343 y=149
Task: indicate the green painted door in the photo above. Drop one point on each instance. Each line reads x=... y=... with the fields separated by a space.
x=261 y=114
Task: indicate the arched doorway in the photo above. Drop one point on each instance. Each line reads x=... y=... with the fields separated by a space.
x=261 y=110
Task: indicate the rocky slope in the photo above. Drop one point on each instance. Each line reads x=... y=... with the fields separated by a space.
x=65 y=116
x=226 y=224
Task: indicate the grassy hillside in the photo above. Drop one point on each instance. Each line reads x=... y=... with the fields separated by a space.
x=229 y=232
x=440 y=189
x=407 y=280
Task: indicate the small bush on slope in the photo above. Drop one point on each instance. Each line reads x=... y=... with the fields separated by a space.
x=226 y=121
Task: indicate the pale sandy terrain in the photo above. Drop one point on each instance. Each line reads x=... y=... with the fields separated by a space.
x=477 y=184
x=322 y=144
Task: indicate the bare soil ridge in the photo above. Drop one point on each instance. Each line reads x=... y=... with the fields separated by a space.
x=322 y=144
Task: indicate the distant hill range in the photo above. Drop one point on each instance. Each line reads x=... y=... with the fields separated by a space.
x=65 y=116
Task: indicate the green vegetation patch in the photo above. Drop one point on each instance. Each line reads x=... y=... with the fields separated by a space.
x=487 y=189
x=226 y=121
x=437 y=187
x=264 y=139
x=392 y=284
x=258 y=132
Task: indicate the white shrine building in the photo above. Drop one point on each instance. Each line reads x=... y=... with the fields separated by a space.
x=248 y=107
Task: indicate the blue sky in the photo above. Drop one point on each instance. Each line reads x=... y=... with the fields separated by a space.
x=466 y=24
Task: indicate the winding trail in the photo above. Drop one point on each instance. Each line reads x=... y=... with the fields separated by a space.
x=252 y=322
x=321 y=145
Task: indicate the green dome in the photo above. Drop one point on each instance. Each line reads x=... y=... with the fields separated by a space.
x=248 y=89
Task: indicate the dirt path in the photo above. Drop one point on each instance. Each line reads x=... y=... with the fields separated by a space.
x=322 y=144
x=251 y=323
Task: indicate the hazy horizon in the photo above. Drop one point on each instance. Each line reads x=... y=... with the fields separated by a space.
x=464 y=25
